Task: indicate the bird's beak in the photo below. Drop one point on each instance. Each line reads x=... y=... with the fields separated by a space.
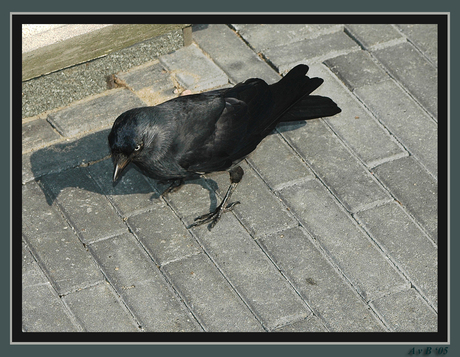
x=119 y=164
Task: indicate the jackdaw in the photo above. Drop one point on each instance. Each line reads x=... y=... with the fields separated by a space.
x=196 y=134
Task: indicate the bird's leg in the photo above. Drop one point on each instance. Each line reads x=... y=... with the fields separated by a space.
x=175 y=185
x=236 y=174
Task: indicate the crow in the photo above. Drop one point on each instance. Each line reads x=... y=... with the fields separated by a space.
x=192 y=135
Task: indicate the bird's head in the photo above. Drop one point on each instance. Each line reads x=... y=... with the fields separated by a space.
x=137 y=136
x=126 y=140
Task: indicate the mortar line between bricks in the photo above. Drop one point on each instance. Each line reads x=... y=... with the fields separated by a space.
x=402 y=87
x=62 y=212
x=397 y=140
x=419 y=225
x=408 y=39
x=145 y=251
x=348 y=213
x=400 y=269
x=328 y=258
x=382 y=185
x=42 y=271
x=214 y=262
x=382 y=66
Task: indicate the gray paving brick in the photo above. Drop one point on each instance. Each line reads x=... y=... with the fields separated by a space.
x=405 y=311
x=209 y=295
x=272 y=153
x=140 y=284
x=163 y=234
x=285 y=57
x=365 y=266
x=405 y=242
x=151 y=83
x=36 y=134
x=89 y=115
x=193 y=70
x=356 y=69
x=43 y=311
x=360 y=130
x=241 y=62
x=57 y=248
x=374 y=35
x=414 y=188
x=145 y=75
x=405 y=120
x=413 y=71
x=64 y=155
x=98 y=310
x=325 y=291
x=264 y=36
x=260 y=211
x=131 y=194
x=251 y=273
x=310 y=324
x=344 y=175
x=89 y=211
x=423 y=36
x=31 y=272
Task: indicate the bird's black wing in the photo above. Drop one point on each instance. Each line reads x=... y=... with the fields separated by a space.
x=236 y=132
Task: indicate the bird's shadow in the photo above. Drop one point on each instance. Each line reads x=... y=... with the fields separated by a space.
x=85 y=163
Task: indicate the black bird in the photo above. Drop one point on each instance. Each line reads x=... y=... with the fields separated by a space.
x=192 y=135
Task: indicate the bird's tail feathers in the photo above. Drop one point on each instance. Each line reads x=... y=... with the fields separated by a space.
x=311 y=107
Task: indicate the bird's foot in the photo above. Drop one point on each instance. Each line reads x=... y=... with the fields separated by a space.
x=213 y=217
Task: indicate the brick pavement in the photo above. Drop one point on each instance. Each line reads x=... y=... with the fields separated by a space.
x=337 y=229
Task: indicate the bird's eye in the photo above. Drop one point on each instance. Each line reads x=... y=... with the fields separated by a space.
x=137 y=148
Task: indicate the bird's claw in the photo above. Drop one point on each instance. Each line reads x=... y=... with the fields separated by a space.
x=213 y=217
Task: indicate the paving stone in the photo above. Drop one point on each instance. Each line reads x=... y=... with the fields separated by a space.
x=285 y=57
x=353 y=185
x=356 y=69
x=423 y=36
x=64 y=155
x=355 y=125
x=193 y=198
x=36 y=134
x=163 y=234
x=145 y=75
x=140 y=284
x=88 y=211
x=374 y=35
x=131 y=194
x=57 y=248
x=339 y=235
x=151 y=83
x=92 y=114
x=251 y=273
x=43 y=311
x=260 y=211
x=310 y=324
x=31 y=272
x=406 y=243
x=405 y=120
x=277 y=163
x=209 y=295
x=263 y=36
x=415 y=189
x=406 y=64
x=241 y=63
x=193 y=70
x=325 y=291
x=98 y=310
x=405 y=311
